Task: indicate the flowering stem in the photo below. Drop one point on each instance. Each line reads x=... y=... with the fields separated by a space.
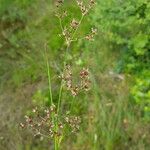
x=50 y=94
x=68 y=45
x=56 y=142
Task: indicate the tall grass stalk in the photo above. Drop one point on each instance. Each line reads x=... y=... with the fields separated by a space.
x=54 y=112
x=56 y=143
x=49 y=76
x=61 y=85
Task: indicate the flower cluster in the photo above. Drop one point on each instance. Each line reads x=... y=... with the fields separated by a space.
x=59 y=3
x=61 y=15
x=67 y=35
x=68 y=32
x=74 y=24
x=43 y=123
x=91 y=35
x=84 y=83
x=73 y=122
x=85 y=9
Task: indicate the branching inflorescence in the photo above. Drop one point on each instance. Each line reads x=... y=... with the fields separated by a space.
x=43 y=122
x=50 y=122
x=82 y=85
x=69 y=32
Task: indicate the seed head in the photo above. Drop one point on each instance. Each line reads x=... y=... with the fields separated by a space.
x=34 y=110
x=22 y=125
x=84 y=73
x=74 y=24
x=68 y=78
x=85 y=9
x=75 y=90
x=59 y=3
x=91 y=35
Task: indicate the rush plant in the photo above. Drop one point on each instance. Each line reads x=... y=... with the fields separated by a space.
x=51 y=122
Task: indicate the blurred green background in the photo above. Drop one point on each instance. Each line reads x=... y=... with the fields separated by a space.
x=116 y=112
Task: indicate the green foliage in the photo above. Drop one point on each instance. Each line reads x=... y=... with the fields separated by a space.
x=141 y=92
x=138 y=43
x=14 y=9
x=125 y=25
x=40 y=97
x=23 y=74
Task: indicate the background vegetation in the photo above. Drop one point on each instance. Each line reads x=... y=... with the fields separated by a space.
x=116 y=112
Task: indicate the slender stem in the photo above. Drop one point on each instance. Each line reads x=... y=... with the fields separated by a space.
x=62 y=29
x=61 y=86
x=49 y=76
x=72 y=104
x=60 y=94
x=56 y=143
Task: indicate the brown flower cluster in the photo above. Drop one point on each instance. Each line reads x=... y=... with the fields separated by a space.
x=68 y=32
x=85 y=81
x=43 y=123
x=74 y=24
x=60 y=13
x=74 y=123
x=67 y=35
x=85 y=9
x=59 y=3
x=83 y=84
x=91 y=35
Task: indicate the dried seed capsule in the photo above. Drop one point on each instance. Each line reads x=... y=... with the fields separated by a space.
x=34 y=110
x=75 y=90
x=60 y=125
x=84 y=73
x=67 y=119
x=52 y=108
x=59 y=3
x=22 y=125
x=74 y=24
x=92 y=2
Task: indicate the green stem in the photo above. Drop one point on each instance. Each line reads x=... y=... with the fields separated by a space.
x=50 y=94
x=60 y=94
x=61 y=85
x=72 y=104
x=56 y=143
x=48 y=74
